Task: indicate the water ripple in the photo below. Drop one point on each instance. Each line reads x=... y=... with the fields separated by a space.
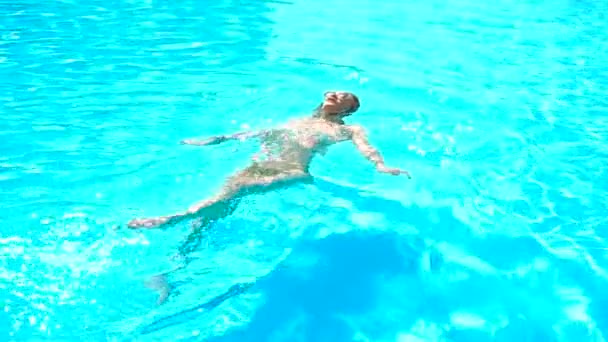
x=498 y=110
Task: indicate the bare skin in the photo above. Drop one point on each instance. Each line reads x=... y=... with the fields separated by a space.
x=284 y=159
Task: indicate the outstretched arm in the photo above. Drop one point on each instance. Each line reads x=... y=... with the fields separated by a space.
x=218 y=139
x=359 y=138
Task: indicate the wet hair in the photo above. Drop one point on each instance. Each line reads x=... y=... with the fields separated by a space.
x=355 y=107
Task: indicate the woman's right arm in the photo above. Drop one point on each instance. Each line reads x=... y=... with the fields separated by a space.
x=359 y=138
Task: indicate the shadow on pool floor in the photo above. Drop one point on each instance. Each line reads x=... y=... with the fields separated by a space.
x=372 y=282
x=343 y=280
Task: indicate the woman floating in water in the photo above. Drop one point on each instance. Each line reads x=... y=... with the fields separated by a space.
x=284 y=159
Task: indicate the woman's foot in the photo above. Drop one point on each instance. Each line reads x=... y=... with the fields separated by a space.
x=159 y=284
x=147 y=222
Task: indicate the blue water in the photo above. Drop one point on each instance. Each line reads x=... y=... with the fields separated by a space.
x=497 y=109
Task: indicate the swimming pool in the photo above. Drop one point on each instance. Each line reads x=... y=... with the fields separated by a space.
x=496 y=110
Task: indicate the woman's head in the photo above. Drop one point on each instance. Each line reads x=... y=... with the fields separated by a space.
x=338 y=103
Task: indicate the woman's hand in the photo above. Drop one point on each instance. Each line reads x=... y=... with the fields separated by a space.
x=392 y=171
x=208 y=141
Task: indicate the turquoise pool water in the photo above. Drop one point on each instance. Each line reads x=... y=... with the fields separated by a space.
x=497 y=110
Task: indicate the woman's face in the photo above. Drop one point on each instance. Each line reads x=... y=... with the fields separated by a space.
x=336 y=102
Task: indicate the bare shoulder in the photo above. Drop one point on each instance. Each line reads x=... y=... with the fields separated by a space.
x=297 y=122
x=354 y=129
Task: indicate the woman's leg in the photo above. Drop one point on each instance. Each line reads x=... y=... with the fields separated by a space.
x=213 y=209
x=224 y=203
x=248 y=186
